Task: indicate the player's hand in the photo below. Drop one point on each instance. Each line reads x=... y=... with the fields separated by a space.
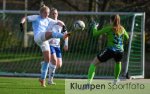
x=21 y=27
x=69 y=34
x=66 y=35
x=65 y=48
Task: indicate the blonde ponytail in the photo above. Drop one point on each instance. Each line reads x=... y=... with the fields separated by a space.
x=117 y=28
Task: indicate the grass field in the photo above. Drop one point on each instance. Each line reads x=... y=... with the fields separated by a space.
x=13 y=85
x=20 y=85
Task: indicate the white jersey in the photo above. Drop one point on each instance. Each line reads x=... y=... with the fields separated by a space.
x=55 y=41
x=40 y=24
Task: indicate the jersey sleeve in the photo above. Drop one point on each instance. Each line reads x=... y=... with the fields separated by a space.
x=97 y=33
x=32 y=18
x=126 y=34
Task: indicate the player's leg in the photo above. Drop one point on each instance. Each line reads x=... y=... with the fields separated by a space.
x=46 y=53
x=59 y=57
x=44 y=67
x=52 y=66
x=92 y=68
x=54 y=34
x=56 y=54
x=59 y=62
x=101 y=57
x=117 y=70
x=49 y=35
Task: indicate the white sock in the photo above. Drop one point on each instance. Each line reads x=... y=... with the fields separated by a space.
x=52 y=69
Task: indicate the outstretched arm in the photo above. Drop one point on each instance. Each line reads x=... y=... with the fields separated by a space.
x=97 y=32
x=66 y=44
x=21 y=24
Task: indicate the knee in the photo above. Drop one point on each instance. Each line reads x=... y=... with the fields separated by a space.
x=54 y=61
x=59 y=64
x=46 y=58
x=96 y=61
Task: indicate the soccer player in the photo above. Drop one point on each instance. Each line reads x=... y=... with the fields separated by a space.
x=43 y=30
x=56 y=56
x=116 y=34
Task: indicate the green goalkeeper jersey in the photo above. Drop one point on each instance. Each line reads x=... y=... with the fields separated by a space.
x=114 y=42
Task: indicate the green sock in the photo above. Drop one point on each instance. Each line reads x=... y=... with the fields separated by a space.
x=91 y=72
x=117 y=70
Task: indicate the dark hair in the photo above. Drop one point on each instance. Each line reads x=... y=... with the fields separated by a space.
x=53 y=9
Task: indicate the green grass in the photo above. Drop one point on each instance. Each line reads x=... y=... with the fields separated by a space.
x=12 y=85
x=21 y=85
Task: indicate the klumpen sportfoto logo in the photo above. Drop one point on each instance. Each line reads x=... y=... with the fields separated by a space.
x=106 y=86
x=77 y=85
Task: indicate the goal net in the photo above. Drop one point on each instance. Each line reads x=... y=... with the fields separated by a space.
x=17 y=60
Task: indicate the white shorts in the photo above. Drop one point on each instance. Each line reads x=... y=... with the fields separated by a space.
x=40 y=41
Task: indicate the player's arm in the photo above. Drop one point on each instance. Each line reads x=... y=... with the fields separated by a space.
x=102 y=31
x=64 y=30
x=66 y=44
x=30 y=18
x=126 y=34
x=52 y=23
x=61 y=23
x=21 y=24
x=65 y=40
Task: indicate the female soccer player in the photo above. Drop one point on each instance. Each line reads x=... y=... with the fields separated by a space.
x=116 y=35
x=56 y=56
x=43 y=30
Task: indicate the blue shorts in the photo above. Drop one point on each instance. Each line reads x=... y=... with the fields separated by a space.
x=56 y=50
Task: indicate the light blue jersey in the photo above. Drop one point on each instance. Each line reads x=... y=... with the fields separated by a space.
x=40 y=24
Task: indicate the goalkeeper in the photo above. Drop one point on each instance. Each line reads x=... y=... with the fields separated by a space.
x=116 y=34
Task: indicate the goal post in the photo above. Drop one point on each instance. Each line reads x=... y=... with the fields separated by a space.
x=136 y=54
x=83 y=47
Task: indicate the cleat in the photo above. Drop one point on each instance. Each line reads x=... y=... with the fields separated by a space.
x=42 y=82
x=116 y=81
x=51 y=83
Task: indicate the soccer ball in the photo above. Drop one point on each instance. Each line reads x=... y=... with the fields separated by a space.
x=79 y=25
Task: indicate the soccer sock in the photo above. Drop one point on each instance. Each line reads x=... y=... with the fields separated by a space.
x=57 y=35
x=44 y=70
x=117 y=70
x=91 y=72
x=52 y=69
